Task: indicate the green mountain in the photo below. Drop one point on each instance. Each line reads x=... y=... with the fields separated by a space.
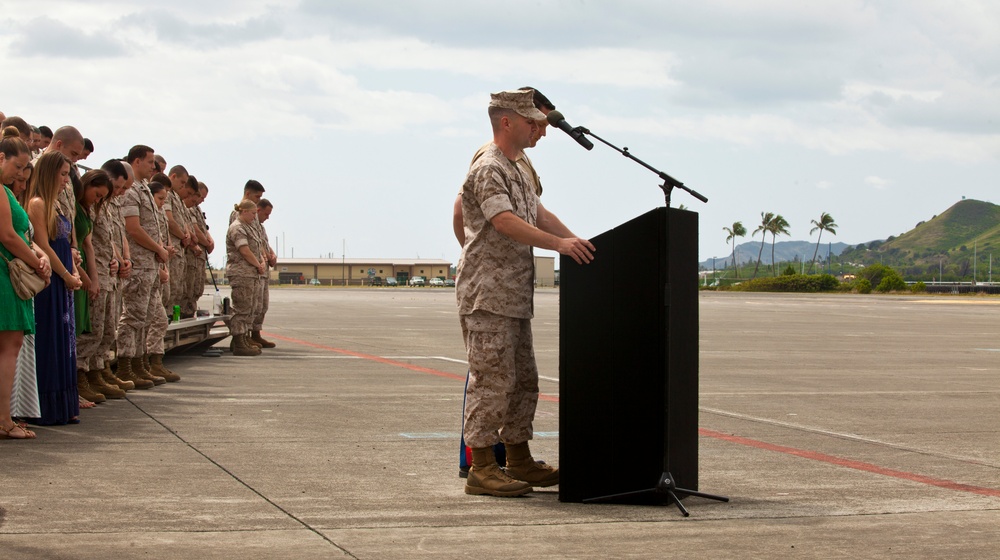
x=951 y=246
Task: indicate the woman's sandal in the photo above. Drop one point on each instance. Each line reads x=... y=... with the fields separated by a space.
x=84 y=403
x=16 y=431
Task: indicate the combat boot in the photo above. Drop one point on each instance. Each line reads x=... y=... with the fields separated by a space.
x=522 y=466
x=98 y=384
x=486 y=477
x=83 y=387
x=257 y=339
x=241 y=346
x=157 y=368
x=111 y=379
x=125 y=373
x=250 y=341
x=140 y=365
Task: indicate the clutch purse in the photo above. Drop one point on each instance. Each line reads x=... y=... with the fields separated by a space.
x=26 y=283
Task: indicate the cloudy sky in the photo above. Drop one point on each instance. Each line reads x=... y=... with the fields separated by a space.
x=360 y=117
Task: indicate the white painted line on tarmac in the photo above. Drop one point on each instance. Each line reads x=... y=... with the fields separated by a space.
x=455 y=361
x=847 y=436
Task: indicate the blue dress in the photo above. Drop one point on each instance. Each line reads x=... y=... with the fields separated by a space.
x=55 y=341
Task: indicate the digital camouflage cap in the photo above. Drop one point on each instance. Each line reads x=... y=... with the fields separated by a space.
x=519 y=101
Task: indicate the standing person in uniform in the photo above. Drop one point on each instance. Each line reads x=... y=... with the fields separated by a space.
x=142 y=306
x=197 y=261
x=503 y=220
x=264 y=209
x=543 y=104
x=244 y=266
x=180 y=237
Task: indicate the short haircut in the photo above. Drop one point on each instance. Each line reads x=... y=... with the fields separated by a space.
x=22 y=126
x=138 y=152
x=178 y=170
x=253 y=186
x=539 y=99
x=67 y=134
x=202 y=186
x=115 y=168
x=45 y=131
x=160 y=163
x=264 y=203
x=192 y=183
x=160 y=178
x=88 y=145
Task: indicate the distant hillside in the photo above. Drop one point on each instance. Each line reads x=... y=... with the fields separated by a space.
x=784 y=251
x=945 y=245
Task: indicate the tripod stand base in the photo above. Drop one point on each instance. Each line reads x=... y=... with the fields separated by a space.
x=666 y=487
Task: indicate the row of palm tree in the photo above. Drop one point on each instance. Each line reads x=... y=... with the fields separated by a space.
x=776 y=225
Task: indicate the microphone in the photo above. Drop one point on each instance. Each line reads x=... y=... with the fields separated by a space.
x=557 y=120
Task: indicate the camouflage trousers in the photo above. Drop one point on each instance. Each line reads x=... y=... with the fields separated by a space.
x=246 y=295
x=502 y=393
x=265 y=301
x=177 y=267
x=194 y=283
x=143 y=323
x=103 y=324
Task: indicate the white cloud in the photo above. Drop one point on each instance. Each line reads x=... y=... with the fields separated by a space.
x=877 y=182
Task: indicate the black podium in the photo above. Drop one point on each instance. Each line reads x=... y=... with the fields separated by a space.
x=628 y=361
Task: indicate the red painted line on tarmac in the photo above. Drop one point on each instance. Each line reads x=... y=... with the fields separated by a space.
x=387 y=361
x=851 y=464
x=812 y=455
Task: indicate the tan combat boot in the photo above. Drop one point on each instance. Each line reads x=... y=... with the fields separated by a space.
x=157 y=368
x=140 y=366
x=83 y=387
x=257 y=339
x=98 y=384
x=125 y=373
x=522 y=466
x=241 y=346
x=486 y=477
x=111 y=379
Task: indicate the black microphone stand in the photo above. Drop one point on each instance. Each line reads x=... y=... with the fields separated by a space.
x=669 y=183
x=664 y=487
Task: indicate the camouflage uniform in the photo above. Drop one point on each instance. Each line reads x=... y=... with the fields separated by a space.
x=195 y=266
x=142 y=305
x=177 y=264
x=495 y=304
x=243 y=277
x=265 y=288
x=118 y=236
x=103 y=320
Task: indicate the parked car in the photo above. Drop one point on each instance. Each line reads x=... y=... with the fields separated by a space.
x=314 y=281
x=376 y=281
x=449 y=282
x=417 y=281
x=435 y=282
x=391 y=281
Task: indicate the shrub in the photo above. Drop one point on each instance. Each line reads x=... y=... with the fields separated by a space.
x=891 y=282
x=789 y=271
x=863 y=286
x=790 y=283
x=918 y=288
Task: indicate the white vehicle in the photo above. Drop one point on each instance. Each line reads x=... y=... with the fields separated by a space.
x=435 y=282
x=417 y=281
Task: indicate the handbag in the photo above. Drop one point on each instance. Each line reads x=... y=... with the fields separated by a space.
x=26 y=283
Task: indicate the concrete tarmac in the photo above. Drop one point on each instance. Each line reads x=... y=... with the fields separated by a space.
x=840 y=426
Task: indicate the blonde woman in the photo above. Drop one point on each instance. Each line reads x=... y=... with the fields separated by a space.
x=244 y=267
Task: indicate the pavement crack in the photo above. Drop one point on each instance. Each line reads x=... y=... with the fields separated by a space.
x=245 y=484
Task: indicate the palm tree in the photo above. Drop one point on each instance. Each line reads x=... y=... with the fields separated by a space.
x=765 y=226
x=731 y=234
x=779 y=226
x=825 y=223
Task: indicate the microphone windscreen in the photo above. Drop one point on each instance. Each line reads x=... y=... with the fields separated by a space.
x=554 y=117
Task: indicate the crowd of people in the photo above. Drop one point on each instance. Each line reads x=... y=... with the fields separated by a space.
x=122 y=249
